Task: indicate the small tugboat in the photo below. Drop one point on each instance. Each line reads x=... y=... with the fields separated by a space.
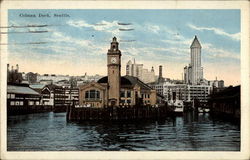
x=179 y=106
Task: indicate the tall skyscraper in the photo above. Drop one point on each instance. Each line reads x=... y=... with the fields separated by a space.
x=194 y=72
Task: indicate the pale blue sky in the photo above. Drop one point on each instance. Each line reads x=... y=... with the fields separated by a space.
x=76 y=45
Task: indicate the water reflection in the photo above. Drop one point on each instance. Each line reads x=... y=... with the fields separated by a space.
x=190 y=132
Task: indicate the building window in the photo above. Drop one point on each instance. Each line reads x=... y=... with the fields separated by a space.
x=92 y=94
x=142 y=95
x=87 y=94
x=21 y=103
x=122 y=94
x=17 y=103
x=148 y=96
x=12 y=96
x=12 y=103
x=128 y=101
x=8 y=96
x=128 y=93
x=31 y=103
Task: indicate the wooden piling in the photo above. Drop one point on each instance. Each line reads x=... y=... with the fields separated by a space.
x=116 y=113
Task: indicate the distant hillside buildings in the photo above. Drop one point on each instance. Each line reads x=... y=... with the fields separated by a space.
x=31 y=77
x=59 y=80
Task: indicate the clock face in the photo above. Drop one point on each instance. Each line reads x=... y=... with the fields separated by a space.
x=113 y=60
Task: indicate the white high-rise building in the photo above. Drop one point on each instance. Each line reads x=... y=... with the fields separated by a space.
x=137 y=70
x=193 y=73
x=185 y=92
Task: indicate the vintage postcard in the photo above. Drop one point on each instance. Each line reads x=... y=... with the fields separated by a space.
x=124 y=80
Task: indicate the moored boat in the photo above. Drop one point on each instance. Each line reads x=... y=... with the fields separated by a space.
x=176 y=106
x=200 y=110
x=206 y=110
x=203 y=110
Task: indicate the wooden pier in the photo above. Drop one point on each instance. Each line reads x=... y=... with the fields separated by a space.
x=19 y=110
x=116 y=113
x=62 y=108
x=226 y=103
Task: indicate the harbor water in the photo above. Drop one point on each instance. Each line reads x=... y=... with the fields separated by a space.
x=190 y=132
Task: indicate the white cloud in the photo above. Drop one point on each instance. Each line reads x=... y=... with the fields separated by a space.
x=61 y=46
x=60 y=37
x=218 y=31
x=182 y=46
x=155 y=53
x=104 y=26
x=75 y=45
x=215 y=52
x=78 y=24
x=154 y=28
x=221 y=53
x=181 y=42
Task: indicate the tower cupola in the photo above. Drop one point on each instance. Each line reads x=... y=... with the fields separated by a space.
x=114 y=45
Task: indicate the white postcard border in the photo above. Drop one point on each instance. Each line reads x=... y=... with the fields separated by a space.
x=245 y=110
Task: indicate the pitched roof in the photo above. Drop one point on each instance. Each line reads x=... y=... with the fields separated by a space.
x=135 y=80
x=124 y=81
x=91 y=84
x=51 y=86
x=195 y=43
x=20 y=90
x=127 y=80
x=37 y=86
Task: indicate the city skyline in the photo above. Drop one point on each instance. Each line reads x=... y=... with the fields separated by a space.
x=76 y=41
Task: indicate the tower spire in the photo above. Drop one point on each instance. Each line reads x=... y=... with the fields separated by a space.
x=195 y=43
x=114 y=45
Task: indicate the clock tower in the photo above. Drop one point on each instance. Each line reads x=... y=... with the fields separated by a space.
x=114 y=73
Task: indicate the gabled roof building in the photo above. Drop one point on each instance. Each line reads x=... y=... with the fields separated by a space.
x=22 y=95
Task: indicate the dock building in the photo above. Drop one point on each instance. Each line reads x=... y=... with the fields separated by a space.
x=114 y=90
x=21 y=95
